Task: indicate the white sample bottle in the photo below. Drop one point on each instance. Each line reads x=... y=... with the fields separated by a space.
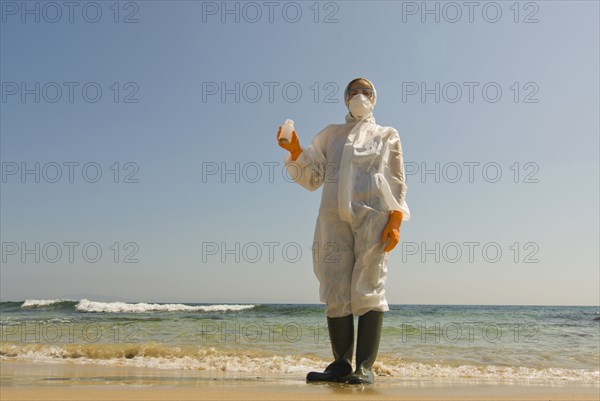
x=286 y=132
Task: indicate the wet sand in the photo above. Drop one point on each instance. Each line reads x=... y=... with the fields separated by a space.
x=72 y=381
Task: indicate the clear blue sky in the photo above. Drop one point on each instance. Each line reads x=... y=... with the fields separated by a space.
x=182 y=219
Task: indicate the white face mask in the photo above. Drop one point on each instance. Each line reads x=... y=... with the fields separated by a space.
x=360 y=106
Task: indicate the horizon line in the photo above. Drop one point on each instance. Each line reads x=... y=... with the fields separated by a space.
x=295 y=303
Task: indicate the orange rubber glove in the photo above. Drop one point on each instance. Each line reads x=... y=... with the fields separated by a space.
x=293 y=147
x=391 y=231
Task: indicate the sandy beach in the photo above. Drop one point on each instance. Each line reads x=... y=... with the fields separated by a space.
x=71 y=381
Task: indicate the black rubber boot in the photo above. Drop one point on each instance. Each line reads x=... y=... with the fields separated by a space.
x=367 y=346
x=341 y=335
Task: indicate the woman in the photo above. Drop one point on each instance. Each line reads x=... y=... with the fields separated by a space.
x=361 y=168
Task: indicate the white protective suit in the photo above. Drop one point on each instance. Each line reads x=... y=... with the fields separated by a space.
x=361 y=168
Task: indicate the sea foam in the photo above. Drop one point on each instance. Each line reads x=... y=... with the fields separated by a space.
x=161 y=356
x=85 y=305
x=36 y=303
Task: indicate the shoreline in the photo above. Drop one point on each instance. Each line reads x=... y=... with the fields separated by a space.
x=70 y=381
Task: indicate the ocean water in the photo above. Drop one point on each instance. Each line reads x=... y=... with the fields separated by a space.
x=418 y=341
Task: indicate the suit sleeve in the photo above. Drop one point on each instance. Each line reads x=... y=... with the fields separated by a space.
x=308 y=169
x=394 y=176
